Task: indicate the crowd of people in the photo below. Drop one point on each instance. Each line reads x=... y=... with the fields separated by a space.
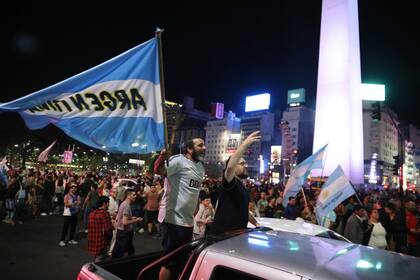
x=36 y=192
x=163 y=203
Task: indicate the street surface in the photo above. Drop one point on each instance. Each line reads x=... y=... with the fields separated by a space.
x=31 y=251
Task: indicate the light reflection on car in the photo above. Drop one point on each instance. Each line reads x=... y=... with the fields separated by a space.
x=298 y=226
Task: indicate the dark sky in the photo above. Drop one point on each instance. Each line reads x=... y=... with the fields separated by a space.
x=214 y=53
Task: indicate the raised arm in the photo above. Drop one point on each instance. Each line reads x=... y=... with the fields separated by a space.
x=159 y=165
x=234 y=159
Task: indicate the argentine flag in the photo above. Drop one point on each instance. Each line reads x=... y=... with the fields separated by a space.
x=115 y=107
x=335 y=190
x=301 y=172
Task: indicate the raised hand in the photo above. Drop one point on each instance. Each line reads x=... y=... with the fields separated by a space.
x=252 y=138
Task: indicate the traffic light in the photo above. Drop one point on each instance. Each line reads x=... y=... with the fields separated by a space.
x=396 y=165
x=376 y=111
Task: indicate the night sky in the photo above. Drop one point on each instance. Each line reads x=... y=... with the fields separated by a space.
x=214 y=53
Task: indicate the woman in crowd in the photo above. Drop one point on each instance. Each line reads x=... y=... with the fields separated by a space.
x=376 y=232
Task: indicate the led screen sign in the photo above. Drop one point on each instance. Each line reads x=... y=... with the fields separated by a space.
x=257 y=102
x=372 y=92
x=296 y=96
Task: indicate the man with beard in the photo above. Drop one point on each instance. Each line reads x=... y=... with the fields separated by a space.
x=184 y=175
x=232 y=207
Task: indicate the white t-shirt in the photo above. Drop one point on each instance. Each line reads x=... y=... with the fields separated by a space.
x=113 y=206
x=182 y=186
x=377 y=238
x=67 y=211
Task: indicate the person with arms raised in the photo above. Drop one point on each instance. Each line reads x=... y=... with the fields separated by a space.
x=184 y=175
x=232 y=206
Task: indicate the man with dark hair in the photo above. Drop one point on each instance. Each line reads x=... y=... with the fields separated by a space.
x=125 y=226
x=100 y=230
x=354 y=230
x=232 y=207
x=184 y=175
x=291 y=212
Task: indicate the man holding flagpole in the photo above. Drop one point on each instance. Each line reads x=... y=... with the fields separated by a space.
x=184 y=175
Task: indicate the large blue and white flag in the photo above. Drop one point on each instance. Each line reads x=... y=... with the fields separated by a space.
x=301 y=172
x=115 y=106
x=335 y=190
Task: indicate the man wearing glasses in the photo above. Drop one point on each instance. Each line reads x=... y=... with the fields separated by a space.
x=232 y=207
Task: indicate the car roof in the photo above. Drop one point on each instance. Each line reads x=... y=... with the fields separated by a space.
x=318 y=258
x=298 y=226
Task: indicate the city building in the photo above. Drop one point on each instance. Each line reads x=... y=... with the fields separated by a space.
x=258 y=156
x=222 y=138
x=191 y=122
x=300 y=122
x=411 y=155
x=380 y=138
x=173 y=113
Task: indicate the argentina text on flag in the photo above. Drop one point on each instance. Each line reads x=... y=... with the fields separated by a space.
x=115 y=106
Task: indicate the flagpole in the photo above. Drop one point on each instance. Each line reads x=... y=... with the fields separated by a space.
x=355 y=193
x=304 y=197
x=158 y=34
x=323 y=164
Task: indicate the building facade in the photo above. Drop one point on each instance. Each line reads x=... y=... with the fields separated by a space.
x=222 y=138
x=300 y=121
x=381 y=138
x=192 y=123
x=258 y=155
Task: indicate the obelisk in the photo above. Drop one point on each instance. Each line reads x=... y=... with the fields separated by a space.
x=338 y=118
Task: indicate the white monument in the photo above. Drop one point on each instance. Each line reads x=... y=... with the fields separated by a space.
x=338 y=118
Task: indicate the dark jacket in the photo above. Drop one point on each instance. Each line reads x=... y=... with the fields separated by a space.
x=354 y=230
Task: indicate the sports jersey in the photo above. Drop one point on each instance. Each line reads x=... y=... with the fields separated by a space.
x=182 y=186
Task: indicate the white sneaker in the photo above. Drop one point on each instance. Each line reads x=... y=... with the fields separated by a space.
x=141 y=230
x=86 y=231
x=73 y=242
x=43 y=214
x=62 y=244
x=50 y=213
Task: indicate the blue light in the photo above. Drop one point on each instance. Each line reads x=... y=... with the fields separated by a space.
x=259 y=236
x=258 y=242
x=293 y=246
x=364 y=264
x=257 y=102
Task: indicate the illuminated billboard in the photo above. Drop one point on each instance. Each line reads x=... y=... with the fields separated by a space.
x=275 y=155
x=257 y=102
x=233 y=144
x=295 y=96
x=372 y=92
